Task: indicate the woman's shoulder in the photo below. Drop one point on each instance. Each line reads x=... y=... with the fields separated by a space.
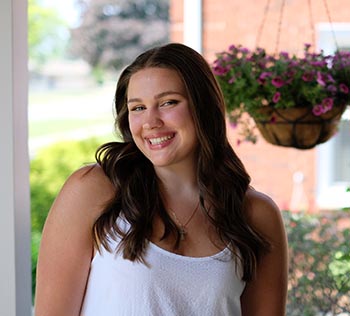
x=90 y=175
x=87 y=189
x=263 y=213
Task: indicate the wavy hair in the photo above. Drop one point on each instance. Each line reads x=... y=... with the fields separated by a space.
x=221 y=176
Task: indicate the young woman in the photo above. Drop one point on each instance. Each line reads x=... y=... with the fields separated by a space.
x=165 y=223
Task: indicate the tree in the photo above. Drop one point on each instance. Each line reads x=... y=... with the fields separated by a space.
x=112 y=33
x=47 y=32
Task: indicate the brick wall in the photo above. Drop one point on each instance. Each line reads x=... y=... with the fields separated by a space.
x=238 y=22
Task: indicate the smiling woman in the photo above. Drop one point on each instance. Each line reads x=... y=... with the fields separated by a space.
x=165 y=223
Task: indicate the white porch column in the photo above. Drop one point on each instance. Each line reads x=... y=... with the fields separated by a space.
x=15 y=271
x=193 y=24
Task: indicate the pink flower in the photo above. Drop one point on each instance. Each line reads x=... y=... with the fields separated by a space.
x=317 y=110
x=244 y=50
x=318 y=63
x=231 y=80
x=227 y=58
x=330 y=78
x=220 y=70
x=284 y=55
x=276 y=97
x=327 y=104
x=332 y=88
x=277 y=82
x=263 y=76
x=307 y=76
x=343 y=88
x=232 y=47
x=321 y=79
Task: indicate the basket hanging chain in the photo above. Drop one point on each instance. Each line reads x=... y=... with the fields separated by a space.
x=279 y=27
x=331 y=24
x=261 y=27
x=263 y=21
x=312 y=24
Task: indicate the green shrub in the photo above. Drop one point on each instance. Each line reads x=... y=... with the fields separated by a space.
x=48 y=171
x=319 y=270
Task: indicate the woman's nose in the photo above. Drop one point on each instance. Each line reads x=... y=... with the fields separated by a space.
x=152 y=120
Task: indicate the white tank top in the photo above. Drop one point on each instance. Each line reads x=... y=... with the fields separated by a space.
x=172 y=285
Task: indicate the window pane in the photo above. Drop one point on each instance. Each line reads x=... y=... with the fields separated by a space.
x=342 y=153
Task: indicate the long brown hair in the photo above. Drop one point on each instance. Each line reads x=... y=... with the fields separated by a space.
x=221 y=176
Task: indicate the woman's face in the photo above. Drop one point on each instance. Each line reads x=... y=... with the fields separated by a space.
x=159 y=117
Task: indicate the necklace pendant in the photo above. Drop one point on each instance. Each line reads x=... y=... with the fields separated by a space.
x=182 y=232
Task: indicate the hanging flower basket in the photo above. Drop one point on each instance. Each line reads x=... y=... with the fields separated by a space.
x=298 y=127
x=303 y=97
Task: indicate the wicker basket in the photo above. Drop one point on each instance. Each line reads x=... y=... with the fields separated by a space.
x=297 y=127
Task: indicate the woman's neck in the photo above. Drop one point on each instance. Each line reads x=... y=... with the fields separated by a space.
x=177 y=182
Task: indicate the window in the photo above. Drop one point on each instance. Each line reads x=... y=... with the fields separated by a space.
x=333 y=157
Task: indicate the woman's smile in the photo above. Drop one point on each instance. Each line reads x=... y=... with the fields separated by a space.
x=160 y=140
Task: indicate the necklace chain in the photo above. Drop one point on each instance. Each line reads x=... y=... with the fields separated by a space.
x=182 y=227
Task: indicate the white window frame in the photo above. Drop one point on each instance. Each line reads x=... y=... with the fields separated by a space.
x=331 y=194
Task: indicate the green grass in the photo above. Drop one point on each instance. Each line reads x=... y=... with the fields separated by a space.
x=67 y=112
x=47 y=127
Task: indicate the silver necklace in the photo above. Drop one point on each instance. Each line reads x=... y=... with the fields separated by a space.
x=182 y=227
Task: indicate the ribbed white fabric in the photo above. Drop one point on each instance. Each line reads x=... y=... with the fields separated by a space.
x=172 y=285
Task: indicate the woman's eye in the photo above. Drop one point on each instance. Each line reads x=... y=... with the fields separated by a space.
x=170 y=102
x=137 y=108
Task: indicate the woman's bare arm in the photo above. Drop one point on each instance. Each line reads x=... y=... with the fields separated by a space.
x=66 y=248
x=266 y=294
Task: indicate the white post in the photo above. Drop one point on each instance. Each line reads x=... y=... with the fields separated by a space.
x=193 y=24
x=15 y=271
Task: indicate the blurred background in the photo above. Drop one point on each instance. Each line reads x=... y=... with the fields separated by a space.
x=77 y=49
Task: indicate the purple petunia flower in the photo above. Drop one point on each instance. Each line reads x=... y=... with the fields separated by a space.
x=232 y=47
x=276 y=97
x=244 y=50
x=318 y=63
x=317 y=110
x=220 y=70
x=330 y=78
x=231 y=80
x=263 y=76
x=277 y=82
x=332 y=88
x=343 y=88
x=327 y=104
x=320 y=79
x=284 y=55
x=307 y=76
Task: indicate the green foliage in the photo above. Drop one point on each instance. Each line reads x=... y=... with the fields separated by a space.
x=319 y=270
x=49 y=170
x=47 y=32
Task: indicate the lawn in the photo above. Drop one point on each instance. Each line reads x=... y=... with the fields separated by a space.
x=70 y=114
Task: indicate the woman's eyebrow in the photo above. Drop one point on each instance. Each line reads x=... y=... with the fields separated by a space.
x=133 y=100
x=156 y=97
x=165 y=93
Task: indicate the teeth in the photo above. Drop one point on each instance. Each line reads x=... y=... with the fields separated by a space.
x=159 y=140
